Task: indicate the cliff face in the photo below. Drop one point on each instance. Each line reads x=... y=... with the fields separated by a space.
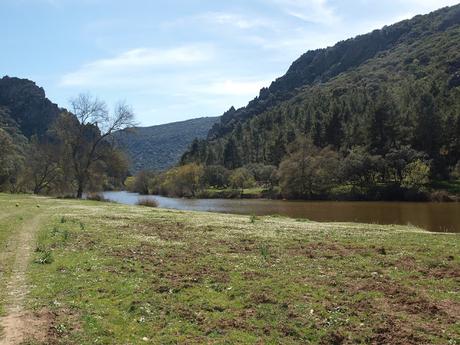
x=26 y=104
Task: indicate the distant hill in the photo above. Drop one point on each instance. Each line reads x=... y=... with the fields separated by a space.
x=393 y=88
x=24 y=105
x=160 y=147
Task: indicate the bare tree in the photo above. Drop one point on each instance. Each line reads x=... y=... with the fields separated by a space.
x=87 y=137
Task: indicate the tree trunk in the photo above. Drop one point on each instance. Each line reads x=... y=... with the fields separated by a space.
x=80 y=191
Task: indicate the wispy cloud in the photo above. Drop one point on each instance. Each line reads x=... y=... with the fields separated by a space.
x=141 y=59
x=313 y=11
x=236 y=20
x=189 y=77
x=432 y=4
x=222 y=20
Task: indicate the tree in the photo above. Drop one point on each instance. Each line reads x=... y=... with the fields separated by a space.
x=397 y=160
x=231 y=157
x=241 y=178
x=308 y=171
x=262 y=173
x=189 y=179
x=428 y=131
x=360 y=168
x=86 y=133
x=455 y=173
x=277 y=151
x=416 y=175
x=382 y=132
x=43 y=167
x=11 y=159
x=141 y=183
x=216 y=176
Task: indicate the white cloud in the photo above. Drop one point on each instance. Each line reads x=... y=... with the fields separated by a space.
x=222 y=20
x=236 y=20
x=314 y=11
x=178 y=80
x=239 y=88
x=432 y=4
x=124 y=64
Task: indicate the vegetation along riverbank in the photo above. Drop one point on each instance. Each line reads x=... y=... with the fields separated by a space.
x=80 y=272
x=269 y=182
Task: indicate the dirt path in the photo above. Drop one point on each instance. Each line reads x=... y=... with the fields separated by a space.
x=18 y=324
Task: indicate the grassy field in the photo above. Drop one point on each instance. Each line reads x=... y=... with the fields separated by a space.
x=102 y=273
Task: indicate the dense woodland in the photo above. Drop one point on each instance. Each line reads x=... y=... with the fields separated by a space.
x=375 y=117
x=48 y=150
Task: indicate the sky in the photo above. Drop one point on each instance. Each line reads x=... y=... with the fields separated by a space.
x=173 y=60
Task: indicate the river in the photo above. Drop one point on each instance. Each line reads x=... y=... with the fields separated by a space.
x=436 y=217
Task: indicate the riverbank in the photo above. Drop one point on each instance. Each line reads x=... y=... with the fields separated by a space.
x=441 y=191
x=434 y=216
x=126 y=274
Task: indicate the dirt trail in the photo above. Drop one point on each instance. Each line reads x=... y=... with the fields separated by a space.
x=18 y=324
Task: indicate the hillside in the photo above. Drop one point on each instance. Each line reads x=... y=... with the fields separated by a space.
x=388 y=91
x=160 y=147
x=24 y=105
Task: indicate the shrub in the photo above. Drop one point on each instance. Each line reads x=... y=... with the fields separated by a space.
x=96 y=197
x=147 y=202
x=440 y=196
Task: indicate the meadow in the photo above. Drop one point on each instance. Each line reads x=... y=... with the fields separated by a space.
x=86 y=272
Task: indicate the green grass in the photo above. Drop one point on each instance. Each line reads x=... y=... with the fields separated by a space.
x=256 y=192
x=134 y=275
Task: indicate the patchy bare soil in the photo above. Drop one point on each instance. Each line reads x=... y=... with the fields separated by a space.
x=113 y=274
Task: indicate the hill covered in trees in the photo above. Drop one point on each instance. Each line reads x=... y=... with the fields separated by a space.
x=381 y=109
x=161 y=147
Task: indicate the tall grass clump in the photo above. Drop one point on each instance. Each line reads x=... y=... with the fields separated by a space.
x=97 y=197
x=264 y=252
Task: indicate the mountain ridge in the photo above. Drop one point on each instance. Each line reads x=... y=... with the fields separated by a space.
x=406 y=97
x=322 y=65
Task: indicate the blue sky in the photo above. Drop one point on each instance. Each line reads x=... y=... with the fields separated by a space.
x=177 y=59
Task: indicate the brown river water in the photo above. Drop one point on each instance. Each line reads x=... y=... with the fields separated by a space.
x=436 y=217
